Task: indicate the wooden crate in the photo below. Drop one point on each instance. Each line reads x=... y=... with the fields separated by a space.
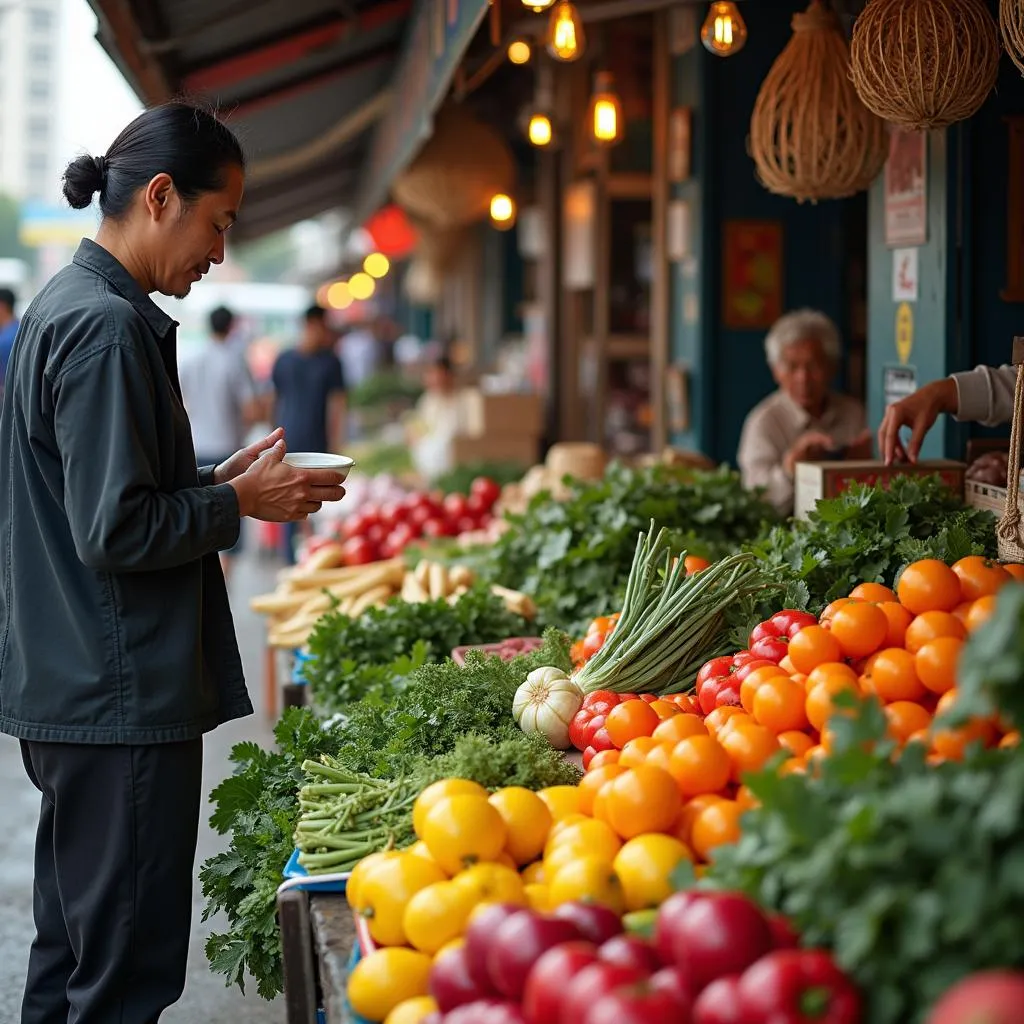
x=988 y=497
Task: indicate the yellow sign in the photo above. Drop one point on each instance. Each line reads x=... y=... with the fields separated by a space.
x=904 y=332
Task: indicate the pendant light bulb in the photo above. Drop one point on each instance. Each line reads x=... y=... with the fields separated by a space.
x=566 y=39
x=503 y=211
x=605 y=111
x=724 y=32
x=539 y=131
x=519 y=51
x=537 y=5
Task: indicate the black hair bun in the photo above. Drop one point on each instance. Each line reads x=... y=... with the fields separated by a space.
x=83 y=178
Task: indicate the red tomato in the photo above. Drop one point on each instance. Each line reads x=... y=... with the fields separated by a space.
x=785 y=935
x=436 y=527
x=354 y=526
x=401 y=537
x=487 y=490
x=639 y=1004
x=578 y=728
x=455 y=506
x=391 y=515
x=376 y=534
x=545 y=986
x=467 y=524
x=601 y=740
x=602 y=697
x=419 y=515
x=721 y=673
x=720 y=1003
x=588 y=755
x=477 y=507
x=358 y=551
x=648 y=698
x=993 y=996
x=593 y=982
x=592 y=643
x=717 y=667
x=770 y=639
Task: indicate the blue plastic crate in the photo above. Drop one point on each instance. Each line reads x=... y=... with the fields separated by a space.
x=293 y=869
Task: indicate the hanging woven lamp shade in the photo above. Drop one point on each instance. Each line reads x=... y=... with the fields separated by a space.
x=925 y=63
x=810 y=136
x=1011 y=24
x=463 y=164
x=436 y=252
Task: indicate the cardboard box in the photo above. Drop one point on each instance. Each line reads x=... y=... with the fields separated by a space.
x=817 y=480
x=516 y=450
x=514 y=415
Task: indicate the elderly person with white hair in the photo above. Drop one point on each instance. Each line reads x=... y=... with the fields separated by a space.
x=804 y=420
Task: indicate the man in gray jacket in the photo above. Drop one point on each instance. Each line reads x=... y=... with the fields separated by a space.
x=983 y=395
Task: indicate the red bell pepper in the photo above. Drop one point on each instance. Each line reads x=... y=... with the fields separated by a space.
x=770 y=639
x=798 y=986
x=718 y=682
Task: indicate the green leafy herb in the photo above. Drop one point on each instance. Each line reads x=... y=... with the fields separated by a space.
x=573 y=557
x=913 y=874
x=458 y=481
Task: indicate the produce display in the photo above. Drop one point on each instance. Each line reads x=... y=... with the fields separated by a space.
x=803 y=786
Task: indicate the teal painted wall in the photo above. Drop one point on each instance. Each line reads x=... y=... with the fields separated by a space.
x=934 y=311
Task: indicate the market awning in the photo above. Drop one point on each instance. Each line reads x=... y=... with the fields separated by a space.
x=303 y=82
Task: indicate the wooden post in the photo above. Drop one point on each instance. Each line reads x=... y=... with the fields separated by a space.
x=300 y=999
x=270 y=681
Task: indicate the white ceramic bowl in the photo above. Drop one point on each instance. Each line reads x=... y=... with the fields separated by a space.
x=320 y=460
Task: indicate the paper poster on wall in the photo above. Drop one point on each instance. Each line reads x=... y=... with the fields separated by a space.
x=752 y=289
x=677 y=398
x=680 y=144
x=677 y=234
x=905 y=265
x=897 y=383
x=579 y=241
x=906 y=189
x=904 y=332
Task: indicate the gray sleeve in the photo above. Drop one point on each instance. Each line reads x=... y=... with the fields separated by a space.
x=120 y=520
x=985 y=395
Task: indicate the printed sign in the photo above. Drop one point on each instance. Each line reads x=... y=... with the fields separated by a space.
x=904 y=275
x=904 y=332
x=906 y=189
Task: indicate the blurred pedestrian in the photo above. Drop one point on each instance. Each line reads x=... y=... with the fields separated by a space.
x=309 y=390
x=220 y=399
x=8 y=330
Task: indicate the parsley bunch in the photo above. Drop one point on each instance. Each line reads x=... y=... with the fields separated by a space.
x=913 y=874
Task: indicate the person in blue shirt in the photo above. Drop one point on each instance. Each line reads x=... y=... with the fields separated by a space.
x=309 y=389
x=8 y=329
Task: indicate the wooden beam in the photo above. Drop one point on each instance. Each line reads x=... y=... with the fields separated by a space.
x=270 y=53
x=119 y=35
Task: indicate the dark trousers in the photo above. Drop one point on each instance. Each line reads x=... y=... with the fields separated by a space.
x=114 y=859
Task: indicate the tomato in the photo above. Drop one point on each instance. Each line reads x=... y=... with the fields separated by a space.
x=699 y=765
x=931 y=625
x=770 y=639
x=434 y=527
x=455 y=506
x=749 y=748
x=437 y=792
x=645 y=865
x=694 y=564
x=386 y=891
x=527 y=820
x=391 y=515
x=860 y=629
x=679 y=727
x=629 y=720
x=639 y=1004
x=599 y=758
x=487 y=490
x=813 y=646
x=778 y=985
x=592 y=643
x=546 y=983
x=437 y=914
x=993 y=996
x=979 y=612
x=462 y=830
x=587 y=879
x=753 y=682
x=518 y=942
x=580 y=729
x=873 y=592
x=401 y=537
x=592 y=983
x=385 y=979
x=643 y=799
x=720 y=686
x=354 y=525
x=719 y=1003
x=819 y=705
x=636 y=750
x=358 y=551
x=779 y=705
x=716 y=824
x=717 y=667
x=929 y=585
x=353 y=887
x=893 y=676
x=412 y=1011
x=936 y=663
x=980 y=577
x=561 y=801
x=906 y=719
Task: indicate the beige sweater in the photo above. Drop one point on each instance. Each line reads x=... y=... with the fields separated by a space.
x=985 y=395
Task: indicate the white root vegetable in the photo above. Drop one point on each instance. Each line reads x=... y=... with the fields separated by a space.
x=545 y=705
x=412 y=592
x=372 y=597
x=461 y=577
x=438 y=575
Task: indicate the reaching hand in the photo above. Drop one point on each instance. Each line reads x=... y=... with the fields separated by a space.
x=275 y=492
x=806 y=446
x=240 y=462
x=918 y=411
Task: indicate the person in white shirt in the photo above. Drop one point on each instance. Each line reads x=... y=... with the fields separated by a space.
x=436 y=421
x=220 y=398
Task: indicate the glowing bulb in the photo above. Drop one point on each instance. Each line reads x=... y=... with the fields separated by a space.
x=724 y=33
x=565 y=34
x=377 y=264
x=539 y=131
x=339 y=296
x=519 y=52
x=503 y=210
x=361 y=286
x=322 y=295
x=538 y=5
x=605 y=111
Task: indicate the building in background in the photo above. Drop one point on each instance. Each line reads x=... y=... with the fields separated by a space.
x=30 y=33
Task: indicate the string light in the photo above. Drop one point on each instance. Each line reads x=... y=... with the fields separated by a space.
x=519 y=52
x=539 y=130
x=377 y=264
x=566 y=38
x=339 y=296
x=605 y=111
x=503 y=211
x=361 y=286
x=724 y=33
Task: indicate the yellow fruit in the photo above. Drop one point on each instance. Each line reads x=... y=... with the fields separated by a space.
x=463 y=830
x=385 y=893
x=419 y=849
x=527 y=820
x=594 y=837
x=492 y=883
x=437 y=914
x=645 y=866
x=562 y=801
x=452 y=945
x=538 y=898
x=533 y=874
x=590 y=880
x=506 y=861
x=362 y=871
x=412 y=1011
x=437 y=792
x=386 y=979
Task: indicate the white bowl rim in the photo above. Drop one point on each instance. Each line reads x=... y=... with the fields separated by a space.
x=328 y=460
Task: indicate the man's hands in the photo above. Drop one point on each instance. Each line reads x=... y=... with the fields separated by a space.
x=270 y=490
x=242 y=460
x=806 y=448
x=918 y=411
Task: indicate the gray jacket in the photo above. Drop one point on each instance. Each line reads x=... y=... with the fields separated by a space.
x=114 y=618
x=985 y=395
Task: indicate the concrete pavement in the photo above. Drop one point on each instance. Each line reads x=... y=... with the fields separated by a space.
x=206 y=999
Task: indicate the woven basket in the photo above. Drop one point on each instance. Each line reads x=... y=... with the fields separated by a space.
x=1011 y=24
x=1009 y=535
x=811 y=137
x=463 y=164
x=923 y=64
